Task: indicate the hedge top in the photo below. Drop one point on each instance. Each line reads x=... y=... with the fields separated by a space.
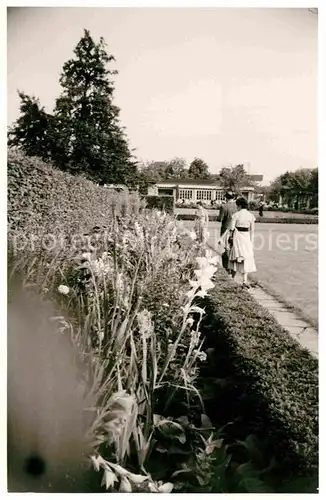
x=41 y=197
x=282 y=376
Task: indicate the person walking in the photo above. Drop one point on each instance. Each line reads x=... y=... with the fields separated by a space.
x=241 y=257
x=227 y=210
x=261 y=209
x=201 y=223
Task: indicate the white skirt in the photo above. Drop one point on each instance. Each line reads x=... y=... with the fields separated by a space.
x=248 y=264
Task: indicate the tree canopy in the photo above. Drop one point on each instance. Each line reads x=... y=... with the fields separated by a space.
x=297 y=186
x=198 y=169
x=32 y=131
x=233 y=178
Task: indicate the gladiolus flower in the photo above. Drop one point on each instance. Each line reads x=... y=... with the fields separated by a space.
x=109 y=478
x=86 y=256
x=63 y=289
x=165 y=488
x=125 y=485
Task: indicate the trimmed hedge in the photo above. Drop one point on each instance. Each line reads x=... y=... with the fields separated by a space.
x=165 y=203
x=268 y=220
x=272 y=387
x=43 y=197
x=213 y=218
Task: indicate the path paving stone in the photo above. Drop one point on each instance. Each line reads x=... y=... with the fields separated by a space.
x=272 y=304
x=310 y=342
x=309 y=331
x=289 y=319
x=295 y=331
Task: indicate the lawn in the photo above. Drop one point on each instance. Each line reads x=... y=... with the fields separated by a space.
x=286 y=259
x=287 y=264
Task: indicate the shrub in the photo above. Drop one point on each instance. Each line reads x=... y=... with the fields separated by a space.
x=213 y=218
x=272 y=382
x=309 y=211
x=165 y=203
x=253 y=205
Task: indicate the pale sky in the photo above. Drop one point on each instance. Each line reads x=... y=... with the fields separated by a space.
x=227 y=85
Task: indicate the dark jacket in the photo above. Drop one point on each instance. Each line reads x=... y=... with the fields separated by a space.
x=226 y=212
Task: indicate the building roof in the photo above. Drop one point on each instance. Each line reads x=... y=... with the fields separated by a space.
x=197 y=182
x=256 y=177
x=209 y=182
x=115 y=186
x=200 y=182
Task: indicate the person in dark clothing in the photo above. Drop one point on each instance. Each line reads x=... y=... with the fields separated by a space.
x=261 y=209
x=226 y=212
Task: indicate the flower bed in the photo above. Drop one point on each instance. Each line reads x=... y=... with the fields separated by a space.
x=130 y=311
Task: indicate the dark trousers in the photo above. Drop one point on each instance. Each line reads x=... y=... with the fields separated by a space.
x=225 y=261
x=225 y=258
x=225 y=264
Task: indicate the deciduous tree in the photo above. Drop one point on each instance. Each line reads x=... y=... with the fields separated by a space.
x=233 y=178
x=198 y=169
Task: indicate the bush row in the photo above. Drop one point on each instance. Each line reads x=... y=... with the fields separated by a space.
x=253 y=205
x=41 y=197
x=272 y=382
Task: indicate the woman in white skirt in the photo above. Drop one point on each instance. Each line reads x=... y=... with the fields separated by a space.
x=241 y=258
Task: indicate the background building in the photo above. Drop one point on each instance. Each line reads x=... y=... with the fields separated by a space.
x=195 y=190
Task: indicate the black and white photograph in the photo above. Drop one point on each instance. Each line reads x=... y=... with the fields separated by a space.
x=162 y=249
